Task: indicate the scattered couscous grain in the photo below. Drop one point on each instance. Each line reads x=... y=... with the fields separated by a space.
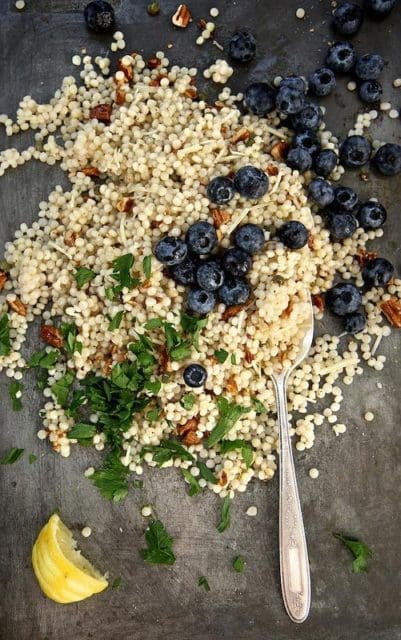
x=146 y=511
x=252 y=511
x=313 y=473
x=369 y=416
x=86 y=532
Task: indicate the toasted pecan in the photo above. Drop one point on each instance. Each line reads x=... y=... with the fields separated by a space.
x=120 y=95
x=125 y=205
x=3 y=279
x=223 y=479
x=318 y=301
x=101 y=112
x=51 y=335
x=126 y=69
x=271 y=170
x=220 y=217
x=241 y=135
x=363 y=256
x=182 y=17
x=191 y=92
x=230 y=312
x=153 y=63
x=249 y=357
x=392 y=310
x=231 y=385
x=90 y=171
x=18 y=306
x=279 y=150
x=70 y=238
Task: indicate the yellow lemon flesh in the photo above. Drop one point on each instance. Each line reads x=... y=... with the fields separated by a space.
x=63 y=573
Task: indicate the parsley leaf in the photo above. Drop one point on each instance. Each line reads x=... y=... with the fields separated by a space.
x=79 y=398
x=166 y=450
x=12 y=456
x=44 y=359
x=61 y=388
x=153 y=386
x=229 y=414
x=71 y=344
x=42 y=379
x=153 y=323
x=177 y=348
x=5 y=344
x=15 y=390
x=233 y=358
x=32 y=458
x=83 y=276
x=187 y=401
x=206 y=474
x=109 y=293
x=116 y=584
x=83 y=432
x=137 y=484
x=193 y=326
x=359 y=550
x=116 y=321
x=159 y=542
x=193 y=482
x=221 y=355
x=239 y=564
x=225 y=515
x=147 y=266
x=122 y=273
x=202 y=582
x=258 y=406
x=246 y=449
x=111 y=478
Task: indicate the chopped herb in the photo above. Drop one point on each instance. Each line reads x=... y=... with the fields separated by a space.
x=153 y=414
x=116 y=321
x=359 y=550
x=111 y=478
x=229 y=414
x=202 y=582
x=233 y=358
x=177 y=348
x=206 y=474
x=61 y=388
x=258 y=406
x=5 y=344
x=83 y=276
x=109 y=293
x=153 y=386
x=160 y=544
x=246 y=449
x=193 y=326
x=116 y=584
x=83 y=432
x=137 y=484
x=221 y=355
x=71 y=344
x=15 y=391
x=79 y=398
x=225 y=515
x=42 y=379
x=153 y=8
x=187 y=401
x=153 y=323
x=147 y=266
x=122 y=273
x=32 y=458
x=193 y=482
x=12 y=456
x=44 y=359
x=251 y=140
x=239 y=564
x=166 y=450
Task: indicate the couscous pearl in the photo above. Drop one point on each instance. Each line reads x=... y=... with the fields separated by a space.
x=86 y=532
x=146 y=511
x=369 y=416
x=252 y=511
x=313 y=473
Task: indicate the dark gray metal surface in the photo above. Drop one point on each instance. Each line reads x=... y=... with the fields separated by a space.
x=359 y=487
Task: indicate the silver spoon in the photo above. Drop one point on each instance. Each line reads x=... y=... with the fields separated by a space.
x=294 y=563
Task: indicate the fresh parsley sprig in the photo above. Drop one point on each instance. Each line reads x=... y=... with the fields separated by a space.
x=110 y=479
x=5 y=343
x=160 y=545
x=359 y=550
x=225 y=518
x=229 y=414
x=15 y=390
x=83 y=275
x=12 y=456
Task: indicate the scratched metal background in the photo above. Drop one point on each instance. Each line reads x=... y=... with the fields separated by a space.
x=359 y=487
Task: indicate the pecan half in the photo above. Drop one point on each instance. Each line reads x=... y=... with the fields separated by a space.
x=153 y=63
x=90 y=171
x=363 y=256
x=101 y=112
x=125 y=205
x=3 y=279
x=126 y=69
x=240 y=136
x=249 y=357
x=51 y=335
x=279 y=150
x=231 y=386
x=392 y=310
x=220 y=217
x=70 y=238
x=182 y=17
x=318 y=301
x=18 y=306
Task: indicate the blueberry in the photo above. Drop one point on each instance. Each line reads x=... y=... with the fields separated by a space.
x=322 y=82
x=344 y=298
x=99 y=16
x=242 y=47
x=298 y=158
x=250 y=238
x=346 y=199
x=293 y=234
x=307 y=140
x=294 y=82
x=184 y=272
x=355 y=151
x=234 y=292
x=220 y=190
x=236 y=262
x=379 y=9
x=201 y=238
x=341 y=57
x=387 y=160
x=377 y=272
x=370 y=91
x=170 y=250
x=347 y=18
x=342 y=225
x=325 y=162
x=195 y=375
x=260 y=98
x=321 y=192
x=251 y=182
x=372 y=215
x=201 y=301
x=369 y=66
x=289 y=100
x=354 y=322
x=308 y=119
x=210 y=275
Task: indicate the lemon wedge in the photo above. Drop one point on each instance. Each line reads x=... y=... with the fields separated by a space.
x=64 y=575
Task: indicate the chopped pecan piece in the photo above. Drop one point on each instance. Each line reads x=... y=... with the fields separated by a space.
x=311 y=243
x=230 y=312
x=101 y=112
x=223 y=479
x=90 y=171
x=271 y=170
x=3 y=279
x=249 y=357
x=202 y=24
x=191 y=438
x=107 y=365
x=70 y=238
x=120 y=95
x=153 y=63
x=279 y=150
x=363 y=256
x=18 y=306
x=182 y=17
x=287 y=311
x=51 y=335
x=125 y=205
x=156 y=81
x=231 y=385
x=220 y=217
x=392 y=310
x=126 y=69
x=190 y=425
x=240 y=136
x=223 y=129
x=191 y=92
x=318 y=301
x=164 y=360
